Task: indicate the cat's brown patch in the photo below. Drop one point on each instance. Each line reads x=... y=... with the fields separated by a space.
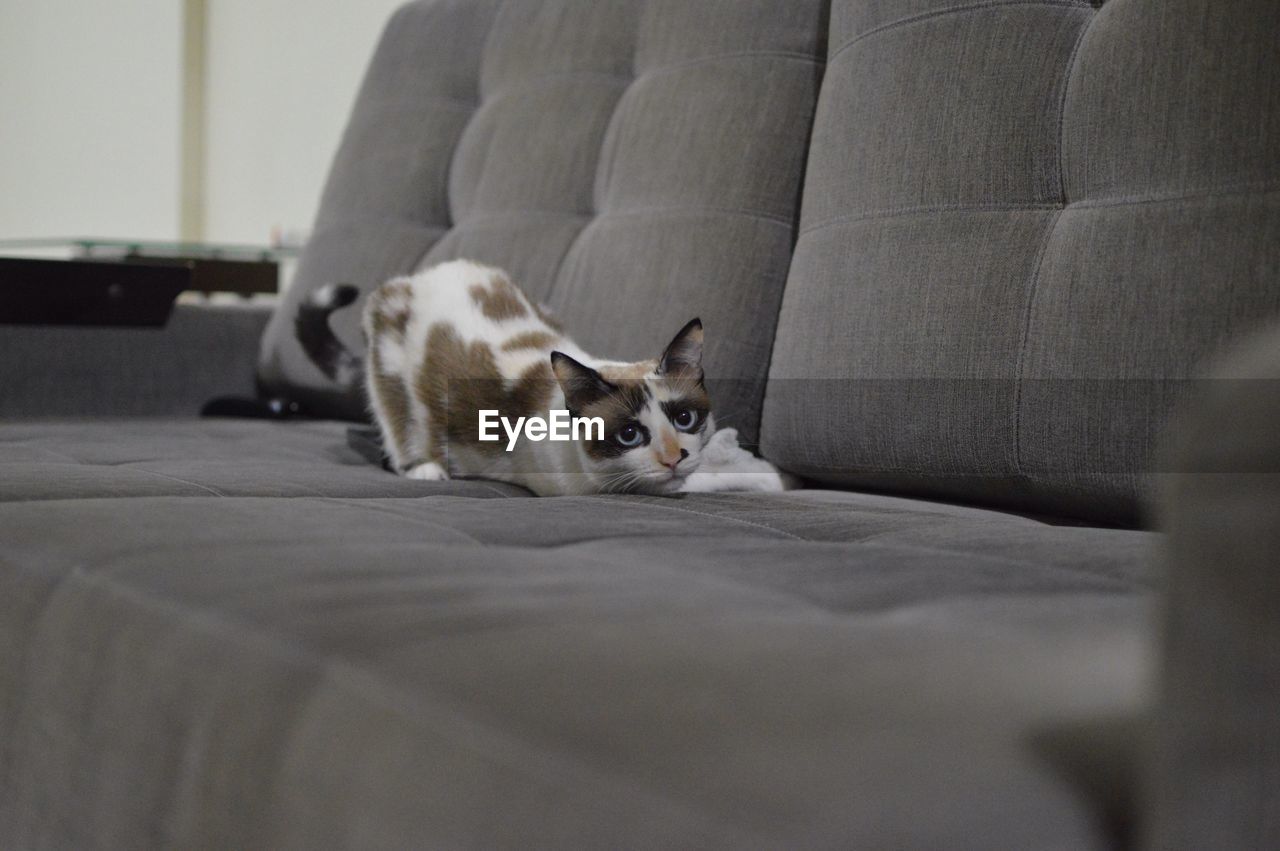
x=395 y=403
x=458 y=379
x=690 y=390
x=627 y=371
x=500 y=300
x=389 y=310
x=447 y=381
x=531 y=394
x=394 y=323
x=530 y=340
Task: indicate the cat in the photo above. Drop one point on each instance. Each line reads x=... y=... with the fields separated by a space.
x=460 y=338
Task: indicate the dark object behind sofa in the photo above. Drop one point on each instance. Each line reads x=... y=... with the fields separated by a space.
x=202 y=352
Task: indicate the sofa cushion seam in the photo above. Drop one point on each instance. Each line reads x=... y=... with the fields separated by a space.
x=926 y=209
x=954 y=10
x=1207 y=193
x=724 y=517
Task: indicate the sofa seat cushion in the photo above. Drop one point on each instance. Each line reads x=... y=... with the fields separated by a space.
x=802 y=669
x=78 y=459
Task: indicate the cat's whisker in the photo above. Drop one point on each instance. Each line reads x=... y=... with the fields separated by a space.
x=627 y=479
x=618 y=482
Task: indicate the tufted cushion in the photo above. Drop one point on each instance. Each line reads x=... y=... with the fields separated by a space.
x=633 y=164
x=1024 y=224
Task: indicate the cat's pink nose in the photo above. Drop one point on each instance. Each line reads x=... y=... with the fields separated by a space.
x=672 y=463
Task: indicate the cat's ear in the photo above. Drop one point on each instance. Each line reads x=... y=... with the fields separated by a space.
x=683 y=355
x=581 y=384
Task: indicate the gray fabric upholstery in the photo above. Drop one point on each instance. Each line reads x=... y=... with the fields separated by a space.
x=1023 y=224
x=54 y=460
x=799 y=670
x=201 y=353
x=1215 y=768
x=633 y=164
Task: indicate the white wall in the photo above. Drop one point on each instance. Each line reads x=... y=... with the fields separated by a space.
x=90 y=113
x=281 y=75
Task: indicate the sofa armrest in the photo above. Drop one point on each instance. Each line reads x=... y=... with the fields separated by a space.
x=1215 y=779
x=203 y=352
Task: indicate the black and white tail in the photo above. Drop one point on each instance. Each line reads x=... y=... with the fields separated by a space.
x=322 y=346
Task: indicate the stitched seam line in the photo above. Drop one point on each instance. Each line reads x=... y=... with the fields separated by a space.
x=500 y=215
x=697 y=211
x=564 y=258
x=416 y=265
x=526 y=84
x=1062 y=108
x=378 y=508
x=737 y=520
x=484 y=48
x=1227 y=190
x=1022 y=345
x=742 y=54
x=956 y=10
x=453 y=152
x=482 y=219
x=1020 y=368
x=607 y=155
x=475 y=107
x=896 y=212
x=206 y=488
x=532 y=82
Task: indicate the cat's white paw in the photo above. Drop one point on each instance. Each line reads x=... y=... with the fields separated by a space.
x=428 y=472
x=726 y=466
x=722 y=448
x=761 y=478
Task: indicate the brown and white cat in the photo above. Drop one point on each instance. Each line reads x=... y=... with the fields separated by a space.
x=461 y=338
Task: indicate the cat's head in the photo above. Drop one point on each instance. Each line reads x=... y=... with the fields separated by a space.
x=656 y=415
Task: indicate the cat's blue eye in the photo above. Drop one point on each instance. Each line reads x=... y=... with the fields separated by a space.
x=685 y=420
x=629 y=436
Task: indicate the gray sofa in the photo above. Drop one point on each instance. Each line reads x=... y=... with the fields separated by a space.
x=959 y=264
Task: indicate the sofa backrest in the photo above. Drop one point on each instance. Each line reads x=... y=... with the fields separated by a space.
x=1024 y=224
x=633 y=163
